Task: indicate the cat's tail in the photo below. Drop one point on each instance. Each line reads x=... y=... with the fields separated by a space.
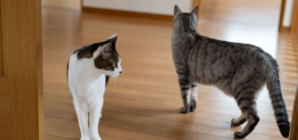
x=279 y=106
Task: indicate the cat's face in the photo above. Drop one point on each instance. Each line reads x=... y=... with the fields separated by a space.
x=184 y=22
x=107 y=59
x=102 y=57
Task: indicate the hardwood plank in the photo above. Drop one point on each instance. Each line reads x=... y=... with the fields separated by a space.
x=49 y=137
x=75 y=134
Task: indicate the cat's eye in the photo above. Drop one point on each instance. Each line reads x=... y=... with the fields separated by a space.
x=114 y=65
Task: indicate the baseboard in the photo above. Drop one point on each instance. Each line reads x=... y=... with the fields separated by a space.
x=126 y=13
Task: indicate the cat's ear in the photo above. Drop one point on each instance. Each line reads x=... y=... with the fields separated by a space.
x=104 y=50
x=177 y=10
x=107 y=49
x=195 y=11
x=113 y=38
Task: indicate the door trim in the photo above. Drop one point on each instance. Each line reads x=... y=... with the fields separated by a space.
x=294 y=122
x=281 y=16
x=3 y=73
x=294 y=22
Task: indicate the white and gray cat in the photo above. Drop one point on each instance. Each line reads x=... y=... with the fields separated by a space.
x=239 y=70
x=88 y=72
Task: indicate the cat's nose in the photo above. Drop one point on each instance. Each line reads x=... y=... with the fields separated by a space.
x=120 y=72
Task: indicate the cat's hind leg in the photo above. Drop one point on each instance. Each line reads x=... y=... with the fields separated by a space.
x=245 y=91
x=247 y=104
x=81 y=108
x=193 y=96
x=95 y=115
x=185 y=93
x=239 y=121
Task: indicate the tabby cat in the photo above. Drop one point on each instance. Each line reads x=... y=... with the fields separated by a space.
x=239 y=70
x=88 y=73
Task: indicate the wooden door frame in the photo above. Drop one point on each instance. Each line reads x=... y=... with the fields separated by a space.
x=21 y=91
x=294 y=19
x=294 y=22
x=294 y=122
x=1 y=48
x=281 y=16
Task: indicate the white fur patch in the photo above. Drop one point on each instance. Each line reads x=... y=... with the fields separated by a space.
x=113 y=36
x=87 y=86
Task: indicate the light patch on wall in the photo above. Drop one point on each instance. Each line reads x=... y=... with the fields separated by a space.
x=162 y=7
x=288 y=13
x=65 y=4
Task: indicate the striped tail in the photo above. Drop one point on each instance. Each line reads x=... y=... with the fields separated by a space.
x=279 y=106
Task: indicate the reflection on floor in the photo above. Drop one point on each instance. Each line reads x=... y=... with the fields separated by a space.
x=143 y=103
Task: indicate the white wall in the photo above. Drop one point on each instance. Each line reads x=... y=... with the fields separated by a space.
x=163 y=7
x=66 y=4
x=288 y=13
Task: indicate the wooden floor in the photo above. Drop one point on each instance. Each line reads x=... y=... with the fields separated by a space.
x=143 y=103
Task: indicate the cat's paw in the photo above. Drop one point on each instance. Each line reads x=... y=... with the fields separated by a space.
x=238 y=134
x=85 y=138
x=193 y=106
x=185 y=109
x=234 y=123
x=95 y=138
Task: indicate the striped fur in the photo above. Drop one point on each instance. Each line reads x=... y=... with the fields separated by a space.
x=239 y=70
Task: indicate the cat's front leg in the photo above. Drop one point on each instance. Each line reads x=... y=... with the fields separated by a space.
x=95 y=115
x=185 y=93
x=82 y=114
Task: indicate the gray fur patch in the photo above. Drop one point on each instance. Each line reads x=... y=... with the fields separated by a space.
x=239 y=70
